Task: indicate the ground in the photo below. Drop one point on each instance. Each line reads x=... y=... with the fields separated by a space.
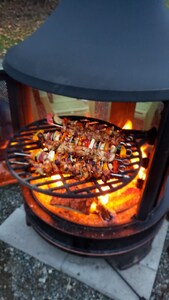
x=19 y=18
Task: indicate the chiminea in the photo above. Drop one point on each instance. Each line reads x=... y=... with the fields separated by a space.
x=113 y=54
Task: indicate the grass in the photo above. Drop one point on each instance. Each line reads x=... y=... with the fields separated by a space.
x=20 y=19
x=9 y=41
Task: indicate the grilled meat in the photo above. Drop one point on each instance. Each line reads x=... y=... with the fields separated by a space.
x=81 y=148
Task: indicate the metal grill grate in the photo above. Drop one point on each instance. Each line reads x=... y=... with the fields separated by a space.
x=66 y=186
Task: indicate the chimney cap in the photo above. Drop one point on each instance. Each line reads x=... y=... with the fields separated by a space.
x=111 y=50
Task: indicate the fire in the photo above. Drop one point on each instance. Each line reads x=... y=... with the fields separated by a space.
x=57 y=183
x=93 y=207
x=104 y=199
x=142 y=173
x=143 y=151
x=128 y=125
x=3 y=145
x=55 y=177
x=121 y=205
x=128 y=193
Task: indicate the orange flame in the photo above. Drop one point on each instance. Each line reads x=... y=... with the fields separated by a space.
x=58 y=183
x=93 y=207
x=142 y=173
x=128 y=125
x=104 y=199
x=143 y=151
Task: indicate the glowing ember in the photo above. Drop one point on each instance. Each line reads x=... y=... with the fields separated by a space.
x=3 y=145
x=93 y=207
x=117 y=207
x=57 y=183
x=142 y=173
x=144 y=150
x=104 y=199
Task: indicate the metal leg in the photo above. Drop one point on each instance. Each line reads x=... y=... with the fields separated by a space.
x=27 y=221
x=167 y=216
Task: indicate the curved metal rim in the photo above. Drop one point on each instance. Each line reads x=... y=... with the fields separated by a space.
x=27 y=180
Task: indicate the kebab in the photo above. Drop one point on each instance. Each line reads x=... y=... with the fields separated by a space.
x=83 y=149
x=83 y=139
x=51 y=162
x=79 y=148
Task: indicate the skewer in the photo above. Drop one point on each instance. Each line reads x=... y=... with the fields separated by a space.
x=21 y=154
x=28 y=155
x=120 y=175
x=56 y=125
x=26 y=163
x=19 y=162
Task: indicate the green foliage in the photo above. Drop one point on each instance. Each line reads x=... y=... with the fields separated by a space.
x=19 y=19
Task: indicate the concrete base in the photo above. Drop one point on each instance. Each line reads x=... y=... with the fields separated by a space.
x=95 y=272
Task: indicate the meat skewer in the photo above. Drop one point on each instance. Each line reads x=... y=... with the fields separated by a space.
x=45 y=163
x=82 y=148
x=94 y=140
x=49 y=162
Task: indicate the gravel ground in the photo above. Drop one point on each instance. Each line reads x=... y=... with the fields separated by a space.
x=26 y=278
x=161 y=286
x=23 y=277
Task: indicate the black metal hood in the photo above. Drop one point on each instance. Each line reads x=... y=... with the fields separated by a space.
x=98 y=49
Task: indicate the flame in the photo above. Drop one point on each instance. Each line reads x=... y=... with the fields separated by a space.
x=125 y=198
x=55 y=177
x=142 y=173
x=143 y=151
x=128 y=125
x=104 y=199
x=3 y=145
x=93 y=207
x=58 y=183
x=14 y=143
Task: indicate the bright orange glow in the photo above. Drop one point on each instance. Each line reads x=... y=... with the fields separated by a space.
x=122 y=204
x=55 y=177
x=93 y=207
x=58 y=183
x=142 y=173
x=143 y=151
x=14 y=143
x=128 y=125
x=28 y=146
x=104 y=199
x=3 y=145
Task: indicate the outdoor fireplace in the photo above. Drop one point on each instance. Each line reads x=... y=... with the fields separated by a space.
x=118 y=67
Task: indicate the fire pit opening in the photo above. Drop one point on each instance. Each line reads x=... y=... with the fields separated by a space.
x=111 y=195
x=95 y=216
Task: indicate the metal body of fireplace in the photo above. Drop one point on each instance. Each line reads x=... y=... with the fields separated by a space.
x=126 y=239
x=125 y=66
